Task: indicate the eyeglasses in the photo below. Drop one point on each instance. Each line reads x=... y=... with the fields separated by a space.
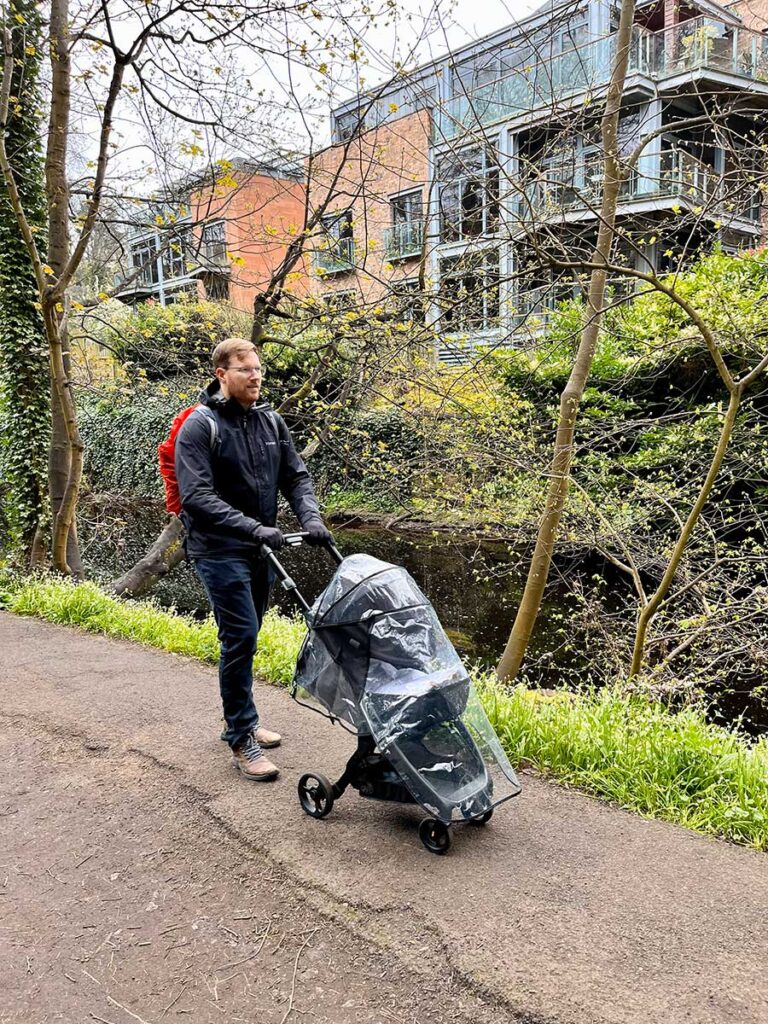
x=247 y=371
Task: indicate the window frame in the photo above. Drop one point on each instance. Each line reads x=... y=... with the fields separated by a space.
x=467 y=187
x=487 y=271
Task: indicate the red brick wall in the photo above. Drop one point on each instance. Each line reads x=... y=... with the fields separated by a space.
x=262 y=214
x=379 y=164
x=753 y=12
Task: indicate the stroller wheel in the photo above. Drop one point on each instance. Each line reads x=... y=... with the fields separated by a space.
x=484 y=818
x=435 y=835
x=315 y=795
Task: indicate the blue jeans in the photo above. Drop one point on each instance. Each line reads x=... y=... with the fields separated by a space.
x=238 y=589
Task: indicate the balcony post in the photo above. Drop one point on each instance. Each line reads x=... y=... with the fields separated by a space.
x=160 y=274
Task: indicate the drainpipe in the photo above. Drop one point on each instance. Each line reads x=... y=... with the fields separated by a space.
x=671 y=21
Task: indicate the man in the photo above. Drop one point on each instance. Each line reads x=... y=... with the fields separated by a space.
x=232 y=457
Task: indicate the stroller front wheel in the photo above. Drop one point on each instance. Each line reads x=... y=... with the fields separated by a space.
x=315 y=795
x=435 y=835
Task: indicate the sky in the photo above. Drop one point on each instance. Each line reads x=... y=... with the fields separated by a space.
x=412 y=42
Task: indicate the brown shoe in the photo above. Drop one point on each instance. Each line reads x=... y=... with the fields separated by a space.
x=251 y=762
x=267 y=739
x=264 y=737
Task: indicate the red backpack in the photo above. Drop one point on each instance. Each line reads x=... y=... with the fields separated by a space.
x=166 y=452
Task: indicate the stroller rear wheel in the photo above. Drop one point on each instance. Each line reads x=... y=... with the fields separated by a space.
x=315 y=795
x=484 y=818
x=435 y=835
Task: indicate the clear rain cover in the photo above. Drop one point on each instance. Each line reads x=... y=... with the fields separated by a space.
x=377 y=659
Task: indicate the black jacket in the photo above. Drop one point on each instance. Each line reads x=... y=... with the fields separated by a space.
x=229 y=478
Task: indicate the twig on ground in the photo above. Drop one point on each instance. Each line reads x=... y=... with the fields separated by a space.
x=245 y=959
x=178 y=945
x=302 y=947
x=126 y=1010
x=175 y=999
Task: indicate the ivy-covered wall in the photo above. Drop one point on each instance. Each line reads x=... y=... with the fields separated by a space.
x=24 y=375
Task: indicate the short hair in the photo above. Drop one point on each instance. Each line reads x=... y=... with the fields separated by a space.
x=231 y=347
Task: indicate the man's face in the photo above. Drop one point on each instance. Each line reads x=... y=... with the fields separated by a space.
x=241 y=379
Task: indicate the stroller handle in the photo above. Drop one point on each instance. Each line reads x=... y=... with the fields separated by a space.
x=294 y=540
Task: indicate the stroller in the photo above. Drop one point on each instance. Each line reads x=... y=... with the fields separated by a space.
x=376 y=660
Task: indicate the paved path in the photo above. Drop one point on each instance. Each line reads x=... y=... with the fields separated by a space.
x=122 y=823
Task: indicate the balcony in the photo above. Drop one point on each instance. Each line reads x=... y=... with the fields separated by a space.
x=336 y=258
x=535 y=307
x=404 y=241
x=697 y=44
x=672 y=174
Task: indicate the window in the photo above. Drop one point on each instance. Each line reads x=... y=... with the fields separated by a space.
x=338 y=226
x=144 y=259
x=406 y=209
x=475 y=73
x=349 y=124
x=558 y=182
x=341 y=301
x=175 y=255
x=469 y=291
x=214 y=241
x=336 y=254
x=408 y=301
x=406 y=235
x=572 y=33
x=217 y=287
x=469 y=194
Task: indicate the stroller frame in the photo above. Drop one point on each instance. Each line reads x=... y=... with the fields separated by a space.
x=368 y=771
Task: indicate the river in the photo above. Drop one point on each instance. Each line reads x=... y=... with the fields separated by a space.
x=474 y=585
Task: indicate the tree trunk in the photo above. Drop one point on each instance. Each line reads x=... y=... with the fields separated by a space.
x=165 y=554
x=66 y=460
x=570 y=400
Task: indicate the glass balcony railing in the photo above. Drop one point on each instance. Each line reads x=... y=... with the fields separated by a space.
x=671 y=173
x=337 y=257
x=533 y=308
x=696 y=44
x=707 y=43
x=404 y=241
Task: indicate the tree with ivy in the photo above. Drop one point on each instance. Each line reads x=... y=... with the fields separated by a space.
x=23 y=350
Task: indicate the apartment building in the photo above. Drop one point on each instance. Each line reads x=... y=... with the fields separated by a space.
x=448 y=181
x=221 y=240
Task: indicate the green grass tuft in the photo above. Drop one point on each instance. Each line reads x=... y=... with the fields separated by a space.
x=674 y=766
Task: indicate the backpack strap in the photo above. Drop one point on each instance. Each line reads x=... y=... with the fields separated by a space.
x=213 y=427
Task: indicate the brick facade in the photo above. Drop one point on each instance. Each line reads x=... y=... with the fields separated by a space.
x=261 y=215
x=372 y=169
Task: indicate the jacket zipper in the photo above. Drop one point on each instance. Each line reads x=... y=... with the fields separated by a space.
x=253 y=462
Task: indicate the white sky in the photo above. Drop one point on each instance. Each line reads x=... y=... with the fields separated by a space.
x=408 y=41
x=458 y=22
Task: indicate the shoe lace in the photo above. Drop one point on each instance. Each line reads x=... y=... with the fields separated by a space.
x=250 y=748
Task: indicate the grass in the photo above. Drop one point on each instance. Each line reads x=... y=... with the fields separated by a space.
x=674 y=766
x=671 y=765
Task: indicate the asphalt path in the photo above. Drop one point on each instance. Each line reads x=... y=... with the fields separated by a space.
x=563 y=909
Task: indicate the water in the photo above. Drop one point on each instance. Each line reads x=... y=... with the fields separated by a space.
x=582 y=635
x=474 y=586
